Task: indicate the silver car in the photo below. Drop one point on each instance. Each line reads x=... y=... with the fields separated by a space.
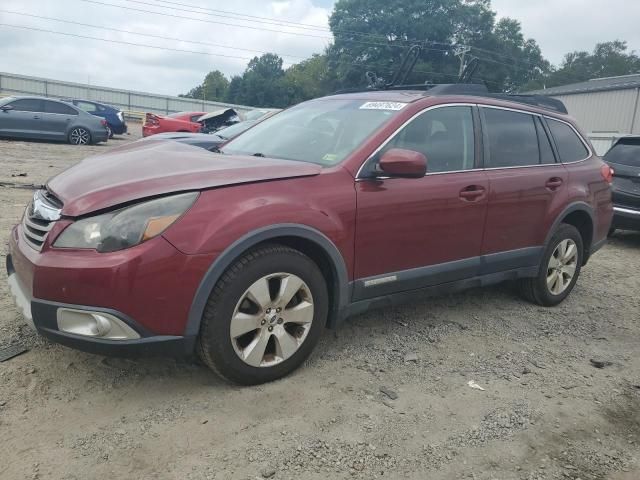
x=48 y=119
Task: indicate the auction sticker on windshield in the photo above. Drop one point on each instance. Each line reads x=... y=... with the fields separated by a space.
x=383 y=106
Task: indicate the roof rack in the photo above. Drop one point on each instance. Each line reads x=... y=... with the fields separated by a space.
x=541 y=101
x=463 y=87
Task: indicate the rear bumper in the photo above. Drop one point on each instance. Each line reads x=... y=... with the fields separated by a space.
x=99 y=136
x=118 y=128
x=626 y=218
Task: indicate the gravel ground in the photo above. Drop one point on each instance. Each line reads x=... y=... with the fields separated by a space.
x=386 y=396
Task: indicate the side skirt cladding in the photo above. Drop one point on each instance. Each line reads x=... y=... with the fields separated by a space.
x=476 y=270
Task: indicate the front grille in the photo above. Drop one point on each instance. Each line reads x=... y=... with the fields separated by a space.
x=39 y=218
x=35 y=230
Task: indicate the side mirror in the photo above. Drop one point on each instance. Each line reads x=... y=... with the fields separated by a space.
x=402 y=163
x=5 y=108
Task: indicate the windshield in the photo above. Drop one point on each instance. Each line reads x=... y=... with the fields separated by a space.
x=627 y=152
x=321 y=131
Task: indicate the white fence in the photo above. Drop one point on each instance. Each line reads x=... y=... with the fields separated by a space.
x=135 y=104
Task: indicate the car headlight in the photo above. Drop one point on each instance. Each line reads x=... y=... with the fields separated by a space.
x=126 y=227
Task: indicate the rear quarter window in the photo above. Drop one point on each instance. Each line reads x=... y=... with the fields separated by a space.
x=570 y=147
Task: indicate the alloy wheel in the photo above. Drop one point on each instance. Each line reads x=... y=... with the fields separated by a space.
x=272 y=319
x=79 y=136
x=562 y=266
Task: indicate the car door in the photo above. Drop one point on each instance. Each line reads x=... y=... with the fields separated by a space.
x=22 y=119
x=527 y=186
x=57 y=119
x=415 y=233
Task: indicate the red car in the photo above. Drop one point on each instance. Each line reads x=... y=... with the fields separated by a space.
x=328 y=209
x=176 y=122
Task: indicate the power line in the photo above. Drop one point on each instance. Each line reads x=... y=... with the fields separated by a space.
x=203 y=20
x=123 y=42
x=144 y=34
x=335 y=32
x=238 y=16
x=164 y=14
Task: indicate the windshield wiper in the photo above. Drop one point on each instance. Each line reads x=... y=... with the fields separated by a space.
x=258 y=154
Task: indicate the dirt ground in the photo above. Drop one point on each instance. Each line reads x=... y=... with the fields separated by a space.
x=546 y=411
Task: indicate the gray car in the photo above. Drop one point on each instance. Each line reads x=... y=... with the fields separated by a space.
x=48 y=119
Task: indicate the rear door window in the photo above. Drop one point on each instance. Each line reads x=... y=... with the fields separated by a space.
x=28 y=105
x=625 y=152
x=510 y=138
x=570 y=147
x=57 y=107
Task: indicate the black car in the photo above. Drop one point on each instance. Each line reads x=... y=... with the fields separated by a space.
x=113 y=116
x=624 y=158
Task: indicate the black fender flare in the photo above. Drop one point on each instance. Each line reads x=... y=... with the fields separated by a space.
x=574 y=207
x=231 y=253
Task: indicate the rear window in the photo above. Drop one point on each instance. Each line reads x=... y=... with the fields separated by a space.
x=570 y=147
x=626 y=152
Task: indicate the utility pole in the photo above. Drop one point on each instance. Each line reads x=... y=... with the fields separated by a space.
x=461 y=52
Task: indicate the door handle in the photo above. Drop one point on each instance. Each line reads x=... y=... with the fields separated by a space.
x=36 y=117
x=554 y=183
x=472 y=193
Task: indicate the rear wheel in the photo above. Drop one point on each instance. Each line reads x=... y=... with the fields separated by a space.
x=559 y=269
x=109 y=132
x=79 y=136
x=264 y=316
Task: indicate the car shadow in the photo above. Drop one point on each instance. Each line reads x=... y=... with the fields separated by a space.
x=626 y=238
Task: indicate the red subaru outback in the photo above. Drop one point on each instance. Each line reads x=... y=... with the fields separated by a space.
x=325 y=210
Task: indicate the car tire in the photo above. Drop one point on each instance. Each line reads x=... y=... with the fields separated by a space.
x=252 y=297
x=79 y=136
x=109 y=132
x=611 y=232
x=559 y=269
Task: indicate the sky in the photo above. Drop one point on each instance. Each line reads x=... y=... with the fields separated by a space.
x=559 y=26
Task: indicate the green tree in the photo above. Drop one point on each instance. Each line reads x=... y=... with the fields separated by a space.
x=261 y=84
x=374 y=34
x=308 y=79
x=609 y=59
x=214 y=87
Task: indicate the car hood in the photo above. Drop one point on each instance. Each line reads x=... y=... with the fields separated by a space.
x=150 y=168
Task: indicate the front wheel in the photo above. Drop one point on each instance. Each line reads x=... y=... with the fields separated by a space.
x=264 y=316
x=79 y=136
x=559 y=269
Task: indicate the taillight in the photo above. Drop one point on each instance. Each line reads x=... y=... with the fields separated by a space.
x=607 y=173
x=103 y=122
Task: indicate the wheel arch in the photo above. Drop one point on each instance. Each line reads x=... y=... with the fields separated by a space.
x=309 y=241
x=580 y=215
